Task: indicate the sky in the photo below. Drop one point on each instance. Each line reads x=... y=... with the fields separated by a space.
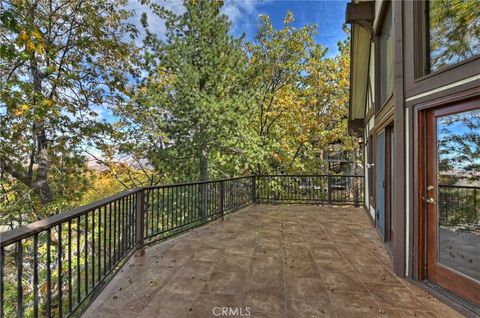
x=329 y=15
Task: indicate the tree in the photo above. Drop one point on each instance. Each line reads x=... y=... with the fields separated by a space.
x=62 y=62
x=301 y=97
x=192 y=108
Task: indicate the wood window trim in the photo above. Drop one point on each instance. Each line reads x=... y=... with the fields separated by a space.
x=416 y=79
x=422 y=48
x=382 y=12
x=399 y=174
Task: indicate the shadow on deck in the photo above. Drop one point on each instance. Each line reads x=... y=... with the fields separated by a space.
x=268 y=261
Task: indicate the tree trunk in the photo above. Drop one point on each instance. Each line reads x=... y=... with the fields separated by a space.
x=40 y=182
x=203 y=176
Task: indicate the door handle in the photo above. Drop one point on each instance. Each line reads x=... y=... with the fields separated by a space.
x=431 y=201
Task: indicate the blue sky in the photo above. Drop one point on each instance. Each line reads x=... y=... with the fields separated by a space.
x=329 y=16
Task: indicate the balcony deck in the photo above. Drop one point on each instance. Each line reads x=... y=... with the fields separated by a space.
x=279 y=261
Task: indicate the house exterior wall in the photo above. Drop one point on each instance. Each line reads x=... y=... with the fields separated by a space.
x=413 y=93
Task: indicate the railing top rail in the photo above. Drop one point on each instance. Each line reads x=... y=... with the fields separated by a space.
x=25 y=231
x=456 y=186
x=195 y=182
x=310 y=175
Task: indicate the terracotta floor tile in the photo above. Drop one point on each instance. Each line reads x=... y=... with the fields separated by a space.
x=280 y=261
x=401 y=313
x=306 y=288
x=354 y=304
x=185 y=287
x=266 y=300
x=380 y=275
x=308 y=309
x=324 y=252
x=209 y=304
x=395 y=296
x=223 y=282
x=343 y=281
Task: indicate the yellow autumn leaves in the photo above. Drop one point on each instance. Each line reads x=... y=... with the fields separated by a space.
x=32 y=41
x=24 y=108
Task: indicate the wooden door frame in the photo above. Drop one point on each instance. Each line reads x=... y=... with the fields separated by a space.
x=389 y=142
x=416 y=230
x=379 y=131
x=426 y=270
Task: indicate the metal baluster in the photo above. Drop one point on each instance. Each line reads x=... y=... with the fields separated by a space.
x=110 y=247
x=49 y=276
x=163 y=209
x=70 y=287
x=35 y=276
x=59 y=265
x=19 y=262
x=2 y=292
x=140 y=222
x=99 y=240
x=115 y=225
x=93 y=249
x=105 y=241
x=78 y=261
x=86 y=254
x=157 y=208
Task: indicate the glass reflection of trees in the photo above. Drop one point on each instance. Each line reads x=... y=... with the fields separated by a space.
x=459 y=168
x=454 y=31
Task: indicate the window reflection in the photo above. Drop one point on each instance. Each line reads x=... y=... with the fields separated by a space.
x=386 y=58
x=458 y=162
x=454 y=31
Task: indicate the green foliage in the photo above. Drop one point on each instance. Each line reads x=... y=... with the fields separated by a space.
x=192 y=108
x=62 y=62
x=213 y=105
x=301 y=98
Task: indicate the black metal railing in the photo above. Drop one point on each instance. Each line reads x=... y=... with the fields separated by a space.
x=54 y=267
x=173 y=208
x=459 y=205
x=316 y=189
x=50 y=267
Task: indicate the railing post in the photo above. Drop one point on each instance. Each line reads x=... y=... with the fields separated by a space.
x=222 y=198
x=140 y=224
x=356 y=194
x=329 y=188
x=254 y=189
x=475 y=200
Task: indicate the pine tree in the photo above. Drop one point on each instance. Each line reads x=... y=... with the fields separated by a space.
x=195 y=93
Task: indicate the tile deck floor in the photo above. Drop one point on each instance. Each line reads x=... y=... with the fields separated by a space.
x=277 y=260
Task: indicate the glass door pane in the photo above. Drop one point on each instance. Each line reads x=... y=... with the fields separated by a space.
x=458 y=180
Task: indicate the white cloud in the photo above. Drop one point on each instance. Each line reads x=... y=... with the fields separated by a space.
x=155 y=24
x=242 y=13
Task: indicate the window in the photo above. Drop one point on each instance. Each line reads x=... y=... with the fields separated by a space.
x=453 y=32
x=386 y=58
